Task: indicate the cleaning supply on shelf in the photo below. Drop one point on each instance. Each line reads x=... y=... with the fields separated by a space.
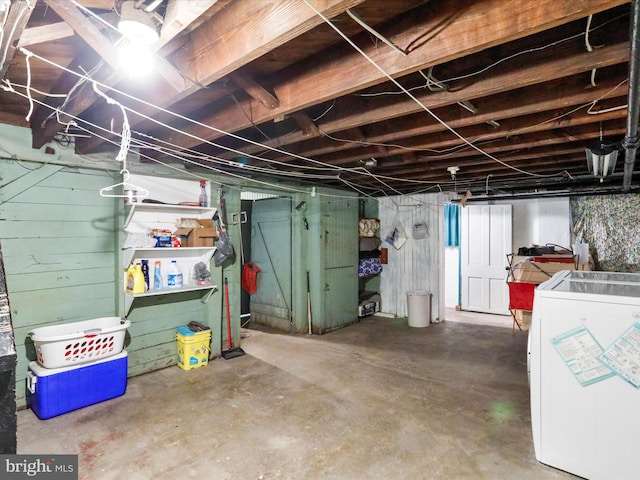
x=135 y=279
x=145 y=274
x=128 y=278
x=203 y=200
x=157 y=276
x=174 y=277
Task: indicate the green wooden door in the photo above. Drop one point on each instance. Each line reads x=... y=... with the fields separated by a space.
x=340 y=262
x=271 y=252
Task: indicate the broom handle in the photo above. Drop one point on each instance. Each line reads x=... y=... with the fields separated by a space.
x=226 y=304
x=309 y=303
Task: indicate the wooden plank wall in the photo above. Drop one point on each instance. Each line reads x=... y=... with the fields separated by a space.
x=61 y=246
x=58 y=240
x=416 y=265
x=339 y=232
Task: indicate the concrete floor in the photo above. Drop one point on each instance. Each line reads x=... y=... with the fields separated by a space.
x=377 y=399
x=474 y=318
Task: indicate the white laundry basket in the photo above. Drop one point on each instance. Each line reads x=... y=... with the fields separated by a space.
x=79 y=342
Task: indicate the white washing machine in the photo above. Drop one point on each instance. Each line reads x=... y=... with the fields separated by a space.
x=584 y=374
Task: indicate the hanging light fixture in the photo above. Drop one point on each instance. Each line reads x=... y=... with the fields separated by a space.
x=371 y=162
x=138 y=25
x=601 y=157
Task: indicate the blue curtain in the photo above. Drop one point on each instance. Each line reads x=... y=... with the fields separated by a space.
x=451 y=225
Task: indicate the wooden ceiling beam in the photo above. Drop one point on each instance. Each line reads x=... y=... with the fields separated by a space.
x=480 y=164
x=560 y=164
x=104 y=47
x=13 y=28
x=502 y=109
x=585 y=127
x=254 y=89
x=177 y=18
x=45 y=33
x=238 y=34
x=518 y=127
x=306 y=124
x=505 y=140
x=244 y=31
x=85 y=30
x=54 y=31
x=567 y=92
x=458 y=34
x=543 y=149
x=544 y=71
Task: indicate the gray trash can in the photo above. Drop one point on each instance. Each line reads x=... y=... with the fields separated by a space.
x=419 y=307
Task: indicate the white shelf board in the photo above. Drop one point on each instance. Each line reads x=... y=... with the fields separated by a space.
x=155 y=215
x=199 y=254
x=130 y=297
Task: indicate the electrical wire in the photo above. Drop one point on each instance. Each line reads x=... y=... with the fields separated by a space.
x=424 y=107
x=226 y=162
x=235 y=100
x=189 y=153
x=566 y=114
x=97 y=17
x=326 y=166
x=187 y=160
x=589 y=48
x=200 y=124
x=491 y=65
x=374 y=32
x=28 y=62
x=590 y=110
x=333 y=104
x=126 y=130
x=232 y=135
x=173 y=154
x=444 y=151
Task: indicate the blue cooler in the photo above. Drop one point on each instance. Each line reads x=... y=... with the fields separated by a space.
x=54 y=391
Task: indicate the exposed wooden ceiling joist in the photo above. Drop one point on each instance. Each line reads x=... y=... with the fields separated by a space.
x=517 y=78
x=16 y=20
x=349 y=72
x=214 y=53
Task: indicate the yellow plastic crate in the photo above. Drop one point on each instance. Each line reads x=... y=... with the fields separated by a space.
x=193 y=348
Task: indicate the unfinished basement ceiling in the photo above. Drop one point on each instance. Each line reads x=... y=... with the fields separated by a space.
x=510 y=92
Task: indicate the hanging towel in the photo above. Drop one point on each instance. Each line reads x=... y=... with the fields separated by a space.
x=249 y=279
x=451 y=225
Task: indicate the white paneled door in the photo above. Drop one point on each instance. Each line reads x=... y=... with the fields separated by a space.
x=485 y=243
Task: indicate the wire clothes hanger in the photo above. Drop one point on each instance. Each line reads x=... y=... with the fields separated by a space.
x=129 y=190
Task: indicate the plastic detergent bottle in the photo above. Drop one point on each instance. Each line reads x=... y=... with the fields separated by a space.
x=129 y=279
x=157 y=276
x=203 y=201
x=135 y=279
x=145 y=274
x=174 y=277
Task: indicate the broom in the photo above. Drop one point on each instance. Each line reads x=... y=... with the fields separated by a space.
x=230 y=352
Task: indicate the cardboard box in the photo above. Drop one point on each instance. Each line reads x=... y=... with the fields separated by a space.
x=54 y=391
x=535 y=272
x=203 y=236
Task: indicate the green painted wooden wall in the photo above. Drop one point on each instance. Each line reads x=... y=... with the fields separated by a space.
x=333 y=260
x=61 y=246
x=62 y=243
